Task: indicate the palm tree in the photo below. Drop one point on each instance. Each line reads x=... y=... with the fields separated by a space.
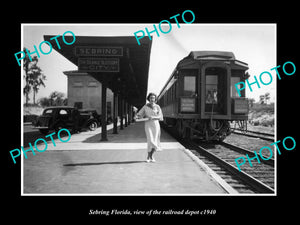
x=27 y=87
x=33 y=77
x=37 y=79
x=267 y=97
x=262 y=99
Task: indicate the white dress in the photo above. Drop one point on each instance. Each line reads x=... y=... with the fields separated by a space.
x=152 y=127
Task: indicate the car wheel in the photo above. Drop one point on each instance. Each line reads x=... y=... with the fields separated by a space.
x=93 y=126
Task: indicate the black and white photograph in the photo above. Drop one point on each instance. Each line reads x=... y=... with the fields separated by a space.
x=171 y=116
x=157 y=115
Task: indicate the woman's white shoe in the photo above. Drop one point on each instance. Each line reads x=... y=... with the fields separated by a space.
x=152 y=160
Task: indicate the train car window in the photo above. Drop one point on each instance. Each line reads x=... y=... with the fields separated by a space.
x=173 y=92
x=233 y=91
x=170 y=96
x=211 y=89
x=189 y=87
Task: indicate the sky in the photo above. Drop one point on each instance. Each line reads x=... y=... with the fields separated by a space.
x=254 y=44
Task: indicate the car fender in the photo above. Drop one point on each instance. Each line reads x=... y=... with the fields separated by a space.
x=91 y=120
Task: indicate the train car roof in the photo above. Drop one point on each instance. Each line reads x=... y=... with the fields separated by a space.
x=211 y=55
x=195 y=56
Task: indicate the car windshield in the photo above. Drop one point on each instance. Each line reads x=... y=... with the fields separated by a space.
x=48 y=112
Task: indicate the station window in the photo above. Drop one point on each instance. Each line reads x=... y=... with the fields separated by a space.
x=77 y=84
x=92 y=84
x=189 y=87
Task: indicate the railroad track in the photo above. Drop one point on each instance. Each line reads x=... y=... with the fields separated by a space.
x=255 y=134
x=260 y=177
x=220 y=157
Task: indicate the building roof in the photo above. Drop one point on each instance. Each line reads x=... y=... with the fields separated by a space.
x=131 y=80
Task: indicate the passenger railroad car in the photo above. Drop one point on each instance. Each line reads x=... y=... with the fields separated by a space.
x=200 y=98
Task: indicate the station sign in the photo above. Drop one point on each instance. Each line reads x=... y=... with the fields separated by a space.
x=98 y=64
x=98 y=51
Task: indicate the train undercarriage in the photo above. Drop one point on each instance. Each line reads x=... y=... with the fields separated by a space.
x=206 y=130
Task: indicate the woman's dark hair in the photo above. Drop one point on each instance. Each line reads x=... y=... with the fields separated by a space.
x=148 y=97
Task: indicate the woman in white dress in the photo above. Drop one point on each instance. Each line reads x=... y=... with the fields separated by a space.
x=153 y=114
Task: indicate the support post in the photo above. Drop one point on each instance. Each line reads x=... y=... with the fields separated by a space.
x=132 y=114
x=103 y=113
x=115 y=114
x=126 y=114
x=121 y=114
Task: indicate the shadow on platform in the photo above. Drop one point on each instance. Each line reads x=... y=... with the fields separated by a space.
x=103 y=163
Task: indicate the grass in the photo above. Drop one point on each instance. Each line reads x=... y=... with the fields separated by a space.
x=262 y=115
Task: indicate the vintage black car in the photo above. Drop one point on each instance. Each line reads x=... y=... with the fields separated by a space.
x=58 y=117
x=93 y=113
x=97 y=116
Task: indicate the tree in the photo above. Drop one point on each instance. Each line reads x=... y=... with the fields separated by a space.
x=26 y=65
x=251 y=102
x=267 y=97
x=37 y=79
x=33 y=77
x=262 y=99
x=56 y=98
x=44 y=102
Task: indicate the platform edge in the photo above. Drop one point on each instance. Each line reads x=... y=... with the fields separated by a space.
x=211 y=173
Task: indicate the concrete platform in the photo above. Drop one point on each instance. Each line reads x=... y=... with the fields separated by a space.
x=84 y=166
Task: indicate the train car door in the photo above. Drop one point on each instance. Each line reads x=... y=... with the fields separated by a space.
x=189 y=92
x=215 y=90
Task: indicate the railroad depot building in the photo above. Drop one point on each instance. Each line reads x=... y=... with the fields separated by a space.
x=112 y=75
x=84 y=92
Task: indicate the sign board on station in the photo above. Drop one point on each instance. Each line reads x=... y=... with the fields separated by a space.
x=98 y=51
x=98 y=64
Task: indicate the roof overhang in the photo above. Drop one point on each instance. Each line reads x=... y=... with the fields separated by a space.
x=130 y=79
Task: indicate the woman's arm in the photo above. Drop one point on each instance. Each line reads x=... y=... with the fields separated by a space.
x=155 y=117
x=141 y=119
x=141 y=115
x=159 y=116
